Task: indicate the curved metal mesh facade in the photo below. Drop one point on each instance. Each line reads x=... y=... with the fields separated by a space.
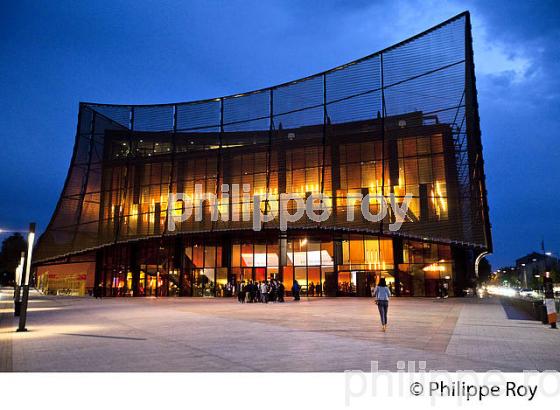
x=403 y=120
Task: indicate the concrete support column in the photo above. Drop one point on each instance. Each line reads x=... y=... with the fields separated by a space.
x=178 y=260
x=99 y=284
x=282 y=253
x=134 y=267
x=397 y=259
x=463 y=269
x=331 y=281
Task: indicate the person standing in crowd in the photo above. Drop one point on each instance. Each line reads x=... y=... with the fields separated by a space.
x=268 y=291
x=257 y=289
x=241 y=292
x=381 y=295
x=98 y=291
x=255 y=292
x=273 y=291
x=249 y=290
x=264 y=292
x=295 y=290
x=280 y=292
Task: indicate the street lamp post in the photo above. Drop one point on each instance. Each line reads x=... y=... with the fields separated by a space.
x=17 y=287
x=25 y=281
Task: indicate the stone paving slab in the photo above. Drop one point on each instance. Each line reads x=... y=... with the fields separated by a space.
x=6 y=303
x=316 y=334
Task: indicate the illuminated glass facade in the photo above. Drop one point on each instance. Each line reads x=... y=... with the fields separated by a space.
x=401 y=121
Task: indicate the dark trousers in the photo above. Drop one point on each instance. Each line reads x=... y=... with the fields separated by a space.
x=383 y=306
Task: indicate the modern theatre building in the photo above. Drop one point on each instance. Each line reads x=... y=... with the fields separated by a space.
x=403 y=121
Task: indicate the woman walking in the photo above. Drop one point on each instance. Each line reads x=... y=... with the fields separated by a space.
x=381 y=295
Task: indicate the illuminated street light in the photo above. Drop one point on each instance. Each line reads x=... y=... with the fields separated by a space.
x=18 y=283
x=19 y=269
x=25 y=299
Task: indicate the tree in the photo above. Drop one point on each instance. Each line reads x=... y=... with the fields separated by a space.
x=10 y=255
x=509 y=276
x=555 y=275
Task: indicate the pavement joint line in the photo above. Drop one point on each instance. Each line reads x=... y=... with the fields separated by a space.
x=103 y=336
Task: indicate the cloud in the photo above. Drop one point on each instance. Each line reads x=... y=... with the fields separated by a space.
x=493 y=57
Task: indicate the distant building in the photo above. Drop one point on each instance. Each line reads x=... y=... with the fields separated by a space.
x=536 y=264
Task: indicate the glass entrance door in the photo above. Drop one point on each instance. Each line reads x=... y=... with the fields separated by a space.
x=361 y=282
x=247 y=275
x=347 y=283
x=203 y=282
x=260 y=274
x=365 y=282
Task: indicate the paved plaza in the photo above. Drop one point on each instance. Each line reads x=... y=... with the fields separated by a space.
x=316 y=334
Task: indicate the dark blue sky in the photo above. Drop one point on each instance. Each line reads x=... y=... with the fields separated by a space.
x=55 y=54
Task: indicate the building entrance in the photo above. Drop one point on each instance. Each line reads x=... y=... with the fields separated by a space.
x=361 y=282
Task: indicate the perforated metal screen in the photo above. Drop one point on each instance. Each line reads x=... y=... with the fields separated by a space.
x=403 y=120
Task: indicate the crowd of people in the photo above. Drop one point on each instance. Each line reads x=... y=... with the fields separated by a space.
x=262 y=291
